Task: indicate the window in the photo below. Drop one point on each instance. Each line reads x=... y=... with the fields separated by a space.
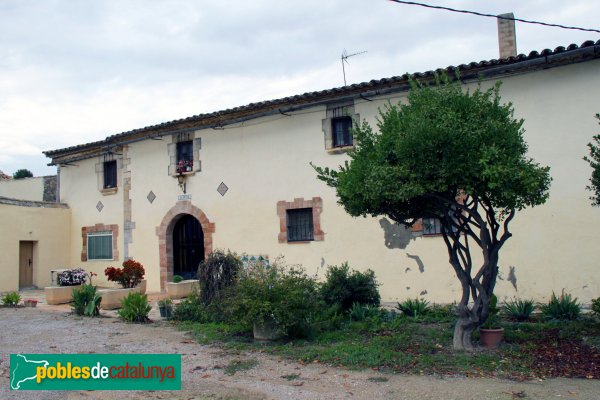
x=337 y=126
x=300 y=226
x=340 y=128
x=110 y=174
x=100 y=245
x=300 y=220
x=432 y=226
x=185 y=151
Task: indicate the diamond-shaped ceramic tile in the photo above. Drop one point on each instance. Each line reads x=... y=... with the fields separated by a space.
x=151 y=196
x=99 y=206
x=222 y=189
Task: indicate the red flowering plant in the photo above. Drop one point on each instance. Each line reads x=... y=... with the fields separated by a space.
x=184 y=166
x=129 y=276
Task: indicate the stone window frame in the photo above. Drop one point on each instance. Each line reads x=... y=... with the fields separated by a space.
x=172 y=151
x=336 y=110
x=114 y=229
x=316 y=204
x=99 y=167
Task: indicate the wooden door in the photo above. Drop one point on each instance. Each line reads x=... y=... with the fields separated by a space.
x=25 y=264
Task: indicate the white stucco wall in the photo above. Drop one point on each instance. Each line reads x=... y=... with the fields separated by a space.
x=267 y=160
x=23 y=189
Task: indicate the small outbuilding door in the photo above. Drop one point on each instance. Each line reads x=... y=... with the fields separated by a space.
x=188 y=247
x=25 y=264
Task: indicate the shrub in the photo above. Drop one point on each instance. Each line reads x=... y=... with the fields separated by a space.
x=129 y=276
x=11 y=299
x=216 y=273
x=86 y=301
x=414 y=308
x=596 y=306
x=135 y=308
x=362 y=312
x=177 y=278
x=518 y=310
x=345 y=287
x=71 y=277
x=277 y=294
x=561 y=308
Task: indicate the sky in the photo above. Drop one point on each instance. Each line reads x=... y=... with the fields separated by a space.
x=77 y=71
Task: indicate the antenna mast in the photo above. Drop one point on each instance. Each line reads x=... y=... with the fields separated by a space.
x=345 y=56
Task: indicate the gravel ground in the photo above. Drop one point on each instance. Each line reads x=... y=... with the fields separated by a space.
x=49 y=329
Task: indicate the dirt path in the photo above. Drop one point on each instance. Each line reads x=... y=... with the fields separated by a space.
x=31 y=330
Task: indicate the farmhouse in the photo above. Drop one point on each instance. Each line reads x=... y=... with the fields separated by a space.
x=169 y=194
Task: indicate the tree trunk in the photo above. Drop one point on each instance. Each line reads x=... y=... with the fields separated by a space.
x=462 y=334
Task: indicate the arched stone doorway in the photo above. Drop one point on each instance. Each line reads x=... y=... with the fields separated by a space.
x=180 y=212
x=188 y=246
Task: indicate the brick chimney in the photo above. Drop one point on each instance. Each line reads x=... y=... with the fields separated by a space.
x=507 y=38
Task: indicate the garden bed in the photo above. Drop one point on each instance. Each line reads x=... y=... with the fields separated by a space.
x=59 y=294
x=182 y=289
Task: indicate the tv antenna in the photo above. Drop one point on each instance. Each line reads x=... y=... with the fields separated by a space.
x=345 y=57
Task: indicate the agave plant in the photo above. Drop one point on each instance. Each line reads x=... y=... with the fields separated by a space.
x=561 y=308
x=414 y=308
x=519 y=310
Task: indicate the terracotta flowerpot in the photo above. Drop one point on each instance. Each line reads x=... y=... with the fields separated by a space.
x=491 y=337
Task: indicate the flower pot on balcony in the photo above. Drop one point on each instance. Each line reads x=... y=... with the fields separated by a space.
x=59 y=294
x=182 y=289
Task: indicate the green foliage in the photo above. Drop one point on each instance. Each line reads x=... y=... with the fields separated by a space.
x=596 y=306
x=218 y=272
x=519 y=310
x=457 y=156
x=191 y=309
x=177 y=278
x=345 y=287
x=93 y=307
x=594 y=161
x=11 y=299
x=165 y=302
x=414 y=308
x=561 y=308
x=22 y=173
x=86 y=301
x=362 y=312
x=135 y=308
x=285 y=295
x=493 y=320
x=443 y=141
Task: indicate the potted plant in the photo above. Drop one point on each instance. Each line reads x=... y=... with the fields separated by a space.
x=165 y=306
x=131 y=279
x=491 y=333
x=180 y=288
x=184 y=166
x=30 y=302
x=67 y=280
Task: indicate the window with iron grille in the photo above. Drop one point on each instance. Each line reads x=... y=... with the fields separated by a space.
x=185 y=151
x=100 y=245
x=433 y=226
x=110 y=174
x=340 y=129
x=300 y=226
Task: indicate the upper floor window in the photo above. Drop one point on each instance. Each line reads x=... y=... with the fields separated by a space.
x=185 y=156
x=340 y=128
x=110 y=174
x=300 y=226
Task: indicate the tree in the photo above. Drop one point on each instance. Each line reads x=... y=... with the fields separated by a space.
x=456 y=156
x=22 y=173
x=594 y=161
